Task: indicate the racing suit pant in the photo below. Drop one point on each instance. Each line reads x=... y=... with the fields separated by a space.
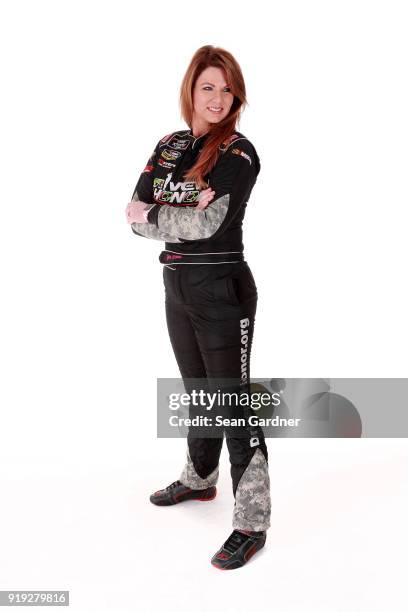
x=210 y=313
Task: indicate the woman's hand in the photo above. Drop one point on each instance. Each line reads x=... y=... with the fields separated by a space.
x=204 y=198
x=134 y=212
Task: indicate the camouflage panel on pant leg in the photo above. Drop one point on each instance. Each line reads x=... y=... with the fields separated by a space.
x=252 y=498
x=190 y=478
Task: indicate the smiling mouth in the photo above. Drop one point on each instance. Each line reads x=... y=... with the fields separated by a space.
x=214 y=109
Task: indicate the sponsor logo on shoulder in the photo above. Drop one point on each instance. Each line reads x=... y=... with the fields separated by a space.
x=166 y=138
x=240 y=152
x=230 y=139
x=148 y=168
x=224 y=145
x=170 y=154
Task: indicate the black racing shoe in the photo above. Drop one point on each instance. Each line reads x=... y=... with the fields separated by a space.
x=238 y=549
x=176 y=492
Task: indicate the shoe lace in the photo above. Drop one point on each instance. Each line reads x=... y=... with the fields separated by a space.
x=234 y=541
x=174 y=484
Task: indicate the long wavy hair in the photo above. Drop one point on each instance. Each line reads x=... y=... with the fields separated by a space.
x=218 y=132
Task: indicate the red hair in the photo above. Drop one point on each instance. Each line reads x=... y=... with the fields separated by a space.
x=218 y=132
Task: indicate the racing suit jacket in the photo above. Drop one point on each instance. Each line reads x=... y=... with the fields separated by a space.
x=173 y=217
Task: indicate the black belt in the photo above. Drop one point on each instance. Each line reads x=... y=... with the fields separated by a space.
x=174 y=257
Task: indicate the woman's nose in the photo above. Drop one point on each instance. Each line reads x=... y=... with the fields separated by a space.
x=217 y=98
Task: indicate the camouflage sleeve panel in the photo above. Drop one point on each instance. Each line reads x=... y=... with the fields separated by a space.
x=147 y=230
x=232 y=179
x=190 y=223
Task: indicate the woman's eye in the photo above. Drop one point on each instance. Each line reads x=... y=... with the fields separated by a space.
x=227 y=89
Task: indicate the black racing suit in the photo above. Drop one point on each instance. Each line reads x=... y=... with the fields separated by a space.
x=211 y=300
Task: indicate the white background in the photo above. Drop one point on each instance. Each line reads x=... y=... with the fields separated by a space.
x=88 y=88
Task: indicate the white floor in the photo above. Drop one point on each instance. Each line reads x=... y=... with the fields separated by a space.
x=338 y=539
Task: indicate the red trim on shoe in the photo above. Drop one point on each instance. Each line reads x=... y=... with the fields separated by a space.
x=223 y=555
x=206 y=498
x=180 y=495
x=250 y=552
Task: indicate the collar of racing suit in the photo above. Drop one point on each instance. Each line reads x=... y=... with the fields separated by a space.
x=195 y=139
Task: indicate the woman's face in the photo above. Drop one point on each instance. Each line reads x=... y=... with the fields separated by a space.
x=212 y=98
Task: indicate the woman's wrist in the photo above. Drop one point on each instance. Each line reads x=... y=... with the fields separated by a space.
x=137 y=211
x=146 y=211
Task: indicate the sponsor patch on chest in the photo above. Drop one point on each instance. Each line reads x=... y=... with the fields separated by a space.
x=169 y=154
x=176 y=193
x=166 y=164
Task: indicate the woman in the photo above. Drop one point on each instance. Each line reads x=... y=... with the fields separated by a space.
x=192 y=195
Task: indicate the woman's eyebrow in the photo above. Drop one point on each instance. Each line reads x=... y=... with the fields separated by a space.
x=212 y=84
